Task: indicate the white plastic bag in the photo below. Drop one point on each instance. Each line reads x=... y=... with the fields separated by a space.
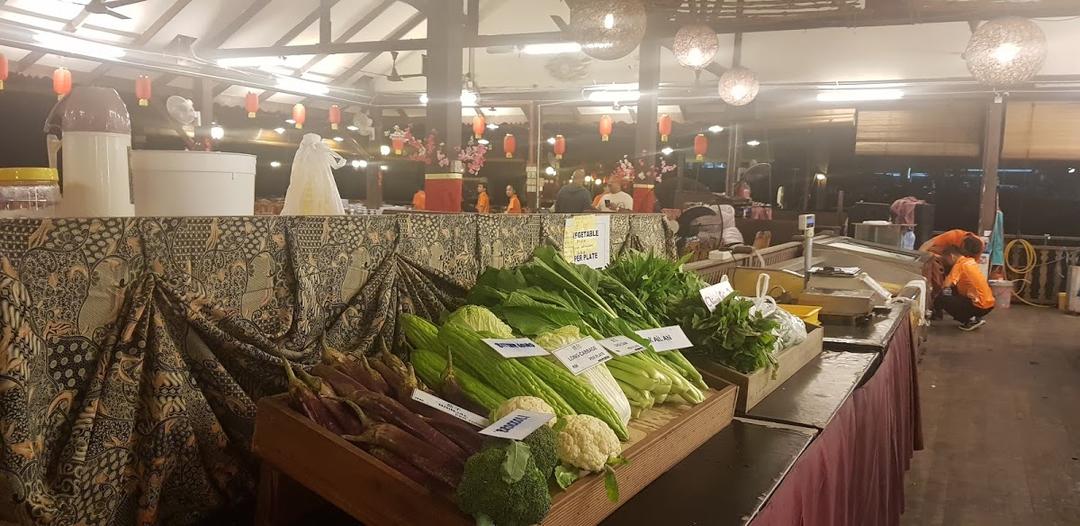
x=791 y=330
x=312 y=189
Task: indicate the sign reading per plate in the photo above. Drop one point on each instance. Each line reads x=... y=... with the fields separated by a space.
x=581 y=356
x=666 y=338
x=516 y=347
x=517 y=425
x=431 y=400
x=587 y=240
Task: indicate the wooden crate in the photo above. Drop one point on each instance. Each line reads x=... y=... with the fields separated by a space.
x=291 y=445
x=753 y=388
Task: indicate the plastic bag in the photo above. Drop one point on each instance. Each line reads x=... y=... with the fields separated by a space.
x=312 y=189
x=791 y=330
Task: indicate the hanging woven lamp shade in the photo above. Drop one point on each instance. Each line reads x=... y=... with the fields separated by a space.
x=607 y=29
x=1006 y=51
x=738 y=86
x=695 y=46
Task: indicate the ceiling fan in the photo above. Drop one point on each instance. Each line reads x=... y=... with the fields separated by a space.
x=106 y=7
x=394 y=76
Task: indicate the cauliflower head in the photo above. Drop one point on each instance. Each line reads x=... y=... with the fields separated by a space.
x=526 y=403
x=586 y=442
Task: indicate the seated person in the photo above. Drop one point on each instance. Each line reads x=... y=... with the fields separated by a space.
x=616 y=200
x=971 y=297
x=935 y=270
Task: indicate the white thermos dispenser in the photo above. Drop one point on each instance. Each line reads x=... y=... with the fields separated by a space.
x=95 y=130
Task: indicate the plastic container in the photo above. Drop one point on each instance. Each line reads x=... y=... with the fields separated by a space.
x=28 y=192
x=807 y=313
x=179 y=183
x=1003 y=291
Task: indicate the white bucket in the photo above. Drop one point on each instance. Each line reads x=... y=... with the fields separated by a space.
x=179 y=183
x=1003 y=291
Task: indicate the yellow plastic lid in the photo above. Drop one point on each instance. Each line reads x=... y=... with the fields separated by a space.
x=45 y=175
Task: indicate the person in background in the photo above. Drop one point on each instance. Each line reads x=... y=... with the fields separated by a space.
x=935 y=270
x=419 y=200
x=483 y=203
x=574 y=198
x=515 y=204
x=971 y=297
x=616 y=200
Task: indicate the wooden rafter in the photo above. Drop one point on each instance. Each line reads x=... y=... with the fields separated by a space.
x=220 y=37
x=171 y=13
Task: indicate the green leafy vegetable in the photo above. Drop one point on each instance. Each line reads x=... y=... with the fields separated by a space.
x=611 y=484
x=517 y=460
x=480 y=319
x=731 y=334
x=565 y=476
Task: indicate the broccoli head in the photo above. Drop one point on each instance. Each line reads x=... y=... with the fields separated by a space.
x=484 y=490
x=542 y=445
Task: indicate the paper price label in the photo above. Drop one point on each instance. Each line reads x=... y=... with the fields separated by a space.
x=517 y=425
x=587 y=240
x=455 y=411
x=713 y=295
x=621 y=345
x=666 y=338
x=516 y=347
x=581 y=356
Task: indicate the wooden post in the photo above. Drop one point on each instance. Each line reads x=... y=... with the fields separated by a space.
x=995 y=131
x=446 y=36
x=649 y=86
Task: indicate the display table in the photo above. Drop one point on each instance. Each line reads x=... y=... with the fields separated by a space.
x=862 y=412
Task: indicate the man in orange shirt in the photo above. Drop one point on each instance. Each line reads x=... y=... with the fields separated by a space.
x=515 y=204
x=419 y=200
x=935 y=269
x=971 y=297
x=483 y=203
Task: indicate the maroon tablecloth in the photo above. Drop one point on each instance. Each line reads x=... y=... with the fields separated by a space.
x=853 y=472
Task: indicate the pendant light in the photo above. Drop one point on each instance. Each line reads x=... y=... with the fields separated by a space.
x=334 y=117
x=1006 y=51
x=608 y=29
x=61 y=82
x=251 y=104
x=509 y=145
x=695 y=46
x=3 y=70
x=738 y=86
x=299 y=114
x=479 y=124
x=560 y=146
x=664 y=126
x=606 y=127
x=143 y=90
x=701 y=146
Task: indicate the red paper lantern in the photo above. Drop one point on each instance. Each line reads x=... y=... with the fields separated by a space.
x=251 y=104
x=398 y=143
x=560 y=146
x=606 y=125
x=509 y=145
x=3 y=70
x=299 y=114
x=701 y=146
x=61 y=82
x=665 y=127
x=335 y=117
x=478 y=126
x=143 y=90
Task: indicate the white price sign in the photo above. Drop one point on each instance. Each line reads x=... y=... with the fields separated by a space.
x=516 y=347
x=453 y=410
x=587 y=240
x=666 y=338
x=712 y=296
x=581 y=356
x=621 y=345
x=517 y=425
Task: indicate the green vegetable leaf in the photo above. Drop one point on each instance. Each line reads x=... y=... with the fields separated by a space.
x=565 y=476
x=611 y=484
x=618 y=461
x=560 y=424
x=483 y=520
x=517 y=460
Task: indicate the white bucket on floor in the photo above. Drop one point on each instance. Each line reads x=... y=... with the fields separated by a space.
x=1003 y=291
x=179 y=183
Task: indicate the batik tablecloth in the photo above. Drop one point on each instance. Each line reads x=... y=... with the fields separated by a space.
x=133 y=350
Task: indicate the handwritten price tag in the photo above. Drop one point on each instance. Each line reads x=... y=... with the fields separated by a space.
x=666 y=338
x=713 y=295
x=621 y=345
x=456 y=411
x=517 y=425
x=582 y=356
x=516 y=347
